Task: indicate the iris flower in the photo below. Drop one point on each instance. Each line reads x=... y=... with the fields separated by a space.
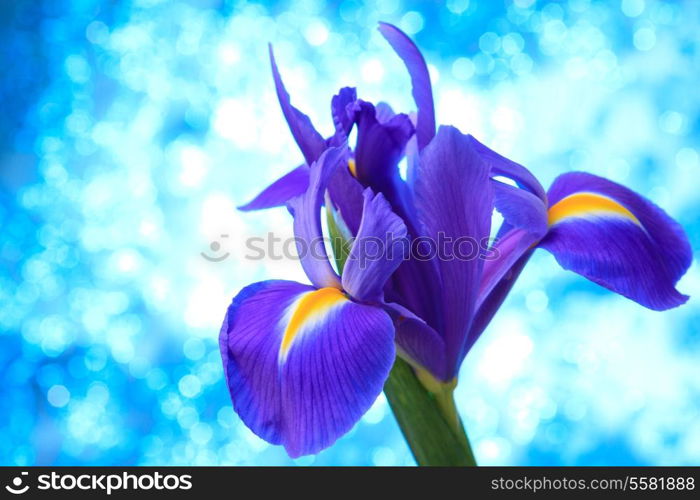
x=303 y=363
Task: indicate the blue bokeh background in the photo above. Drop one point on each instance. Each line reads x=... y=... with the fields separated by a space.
x=129 y=131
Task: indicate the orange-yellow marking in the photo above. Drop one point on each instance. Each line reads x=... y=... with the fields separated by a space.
x=581 y=204
x=308 y=306
x=352 y=167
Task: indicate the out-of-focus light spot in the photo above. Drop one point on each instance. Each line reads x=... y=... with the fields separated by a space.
x=537 y=301
x=316 y=33
x=97 y=32
x=189 y=386
x=411 y=22
x=77 y=69
x=229 y=54
x=383 y=456
x=645 y=38
x=236 y=120
x=632 y=8
x=687 y=159
x=377 y=411
x=523 y=4
x=521 y=64
x=672 y=122
x=457 y=6
x=194 y=349
x=463 y=68
x=58 y=396
x=388 y=6
x=434 y=73
x=512 y=43
x=193 y=166
x=372 y=71
x=489 y=42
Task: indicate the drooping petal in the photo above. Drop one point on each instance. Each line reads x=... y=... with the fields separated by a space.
x=418 y=343
x=303 y=365
x=454 y=202
x=502 y=166
x=281 y=191
x=307 y=220
x=618 y=239
x=307 y=138
x=420 y=80
x=377 y=250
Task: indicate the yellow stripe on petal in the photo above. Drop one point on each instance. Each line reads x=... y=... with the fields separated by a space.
x=308 y=308
x=583 y=204
x=352 y=167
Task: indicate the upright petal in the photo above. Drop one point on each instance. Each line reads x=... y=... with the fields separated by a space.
x=618 y=239
x=281 y=191
x=420 y=80
x=376 y=252
x=307 y=220
x=379 y=149
x=303 y=365
x=307 y=138
x=341 y=117
x=346 y=197
x=454 y=202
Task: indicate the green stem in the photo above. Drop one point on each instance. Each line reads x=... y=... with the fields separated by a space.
x=429 y=420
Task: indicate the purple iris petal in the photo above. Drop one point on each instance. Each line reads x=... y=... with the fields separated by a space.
x=525 y=224
x=502 y=166
x=418 y=343
x=454 y=201
x=420 y=80
x=307 y=220
x=618 y=239
x=376 y=252
x=379 y=149
x=493 y=301
x=309 y=140
x=346 y=197
x=303 y=365
x=281 y=191
x=341 y=118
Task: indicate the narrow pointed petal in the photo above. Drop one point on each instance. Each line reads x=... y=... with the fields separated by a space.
x=307 y=138
x=618 y=239
x=307 y=220
x=502 y=166
x=303 y=365
x=420 y=80
x=376 y=252
x=281 y=191
x=454 y=202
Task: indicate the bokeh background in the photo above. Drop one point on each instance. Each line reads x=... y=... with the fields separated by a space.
x=129 y=131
